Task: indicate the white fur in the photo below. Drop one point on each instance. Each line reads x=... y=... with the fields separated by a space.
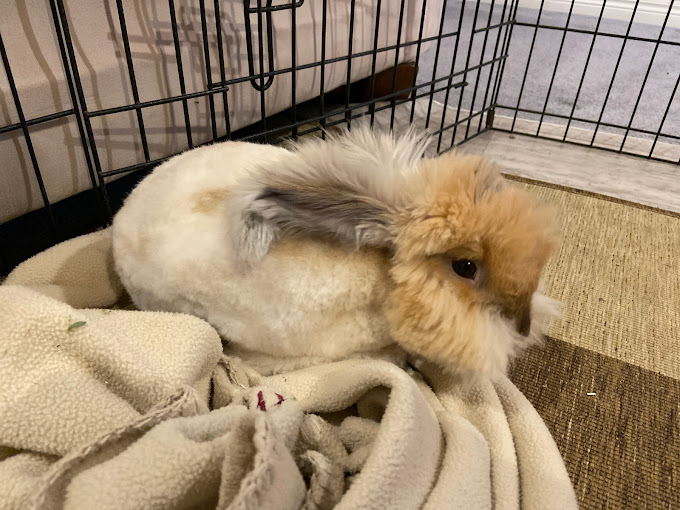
x=503 y=342
x=303 y=299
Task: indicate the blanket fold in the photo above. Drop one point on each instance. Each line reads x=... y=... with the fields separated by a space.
x=110 y=408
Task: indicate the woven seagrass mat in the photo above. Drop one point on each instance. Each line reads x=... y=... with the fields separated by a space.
x=607 y=384
x=616 y=425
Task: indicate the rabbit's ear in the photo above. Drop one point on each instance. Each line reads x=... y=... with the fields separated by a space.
x=349 y=187
x=325 y=212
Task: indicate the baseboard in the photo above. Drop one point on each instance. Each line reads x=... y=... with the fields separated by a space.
x=651 y=12
x=604 y=140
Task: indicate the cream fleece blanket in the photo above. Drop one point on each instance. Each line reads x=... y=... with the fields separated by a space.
x=111 y=408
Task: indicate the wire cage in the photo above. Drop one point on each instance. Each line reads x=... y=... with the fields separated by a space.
x=597 y=80
x=97 y=94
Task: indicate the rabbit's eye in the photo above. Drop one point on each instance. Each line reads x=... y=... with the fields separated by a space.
x=465 y=268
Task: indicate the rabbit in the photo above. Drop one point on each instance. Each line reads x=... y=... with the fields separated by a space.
x=341 y=247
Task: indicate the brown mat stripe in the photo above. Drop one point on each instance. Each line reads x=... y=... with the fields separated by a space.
x=621 y=446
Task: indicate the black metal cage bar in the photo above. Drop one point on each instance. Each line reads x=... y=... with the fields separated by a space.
x=460 y=87
x=23 y=124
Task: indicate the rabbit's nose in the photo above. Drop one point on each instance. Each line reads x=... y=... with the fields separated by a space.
x=523 y=323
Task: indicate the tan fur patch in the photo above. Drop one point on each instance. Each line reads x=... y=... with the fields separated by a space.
x=463 y=210
x=207 y=202
x=435 y=318
x=140 y=247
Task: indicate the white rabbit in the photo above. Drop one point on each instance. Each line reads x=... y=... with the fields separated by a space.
x=340 y=247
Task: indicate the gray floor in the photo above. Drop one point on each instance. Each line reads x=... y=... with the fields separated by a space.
x=629 y=78
x=621 y=176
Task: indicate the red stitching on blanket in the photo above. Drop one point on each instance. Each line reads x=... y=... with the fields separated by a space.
x=260 y=402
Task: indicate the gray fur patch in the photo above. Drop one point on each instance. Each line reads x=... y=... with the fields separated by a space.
x=489 y=181
x=325 y=212
x=328 y=213
x=256 y=236
x=348 y=188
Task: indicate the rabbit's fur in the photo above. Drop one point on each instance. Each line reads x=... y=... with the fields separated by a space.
x=340 y=247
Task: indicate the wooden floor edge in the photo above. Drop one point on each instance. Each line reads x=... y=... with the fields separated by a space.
x=591 y=194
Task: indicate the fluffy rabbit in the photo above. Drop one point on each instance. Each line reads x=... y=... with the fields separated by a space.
x=340 y=247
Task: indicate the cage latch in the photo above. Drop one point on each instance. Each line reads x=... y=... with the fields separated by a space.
x=260 y=84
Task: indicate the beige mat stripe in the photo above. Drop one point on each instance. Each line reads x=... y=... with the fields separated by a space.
x=618 y=274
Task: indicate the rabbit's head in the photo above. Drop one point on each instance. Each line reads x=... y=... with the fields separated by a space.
x=466 y=249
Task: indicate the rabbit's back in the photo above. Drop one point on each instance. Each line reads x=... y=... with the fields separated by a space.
x=173 y=253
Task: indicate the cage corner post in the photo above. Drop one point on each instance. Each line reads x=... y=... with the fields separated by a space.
x=490 y=117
